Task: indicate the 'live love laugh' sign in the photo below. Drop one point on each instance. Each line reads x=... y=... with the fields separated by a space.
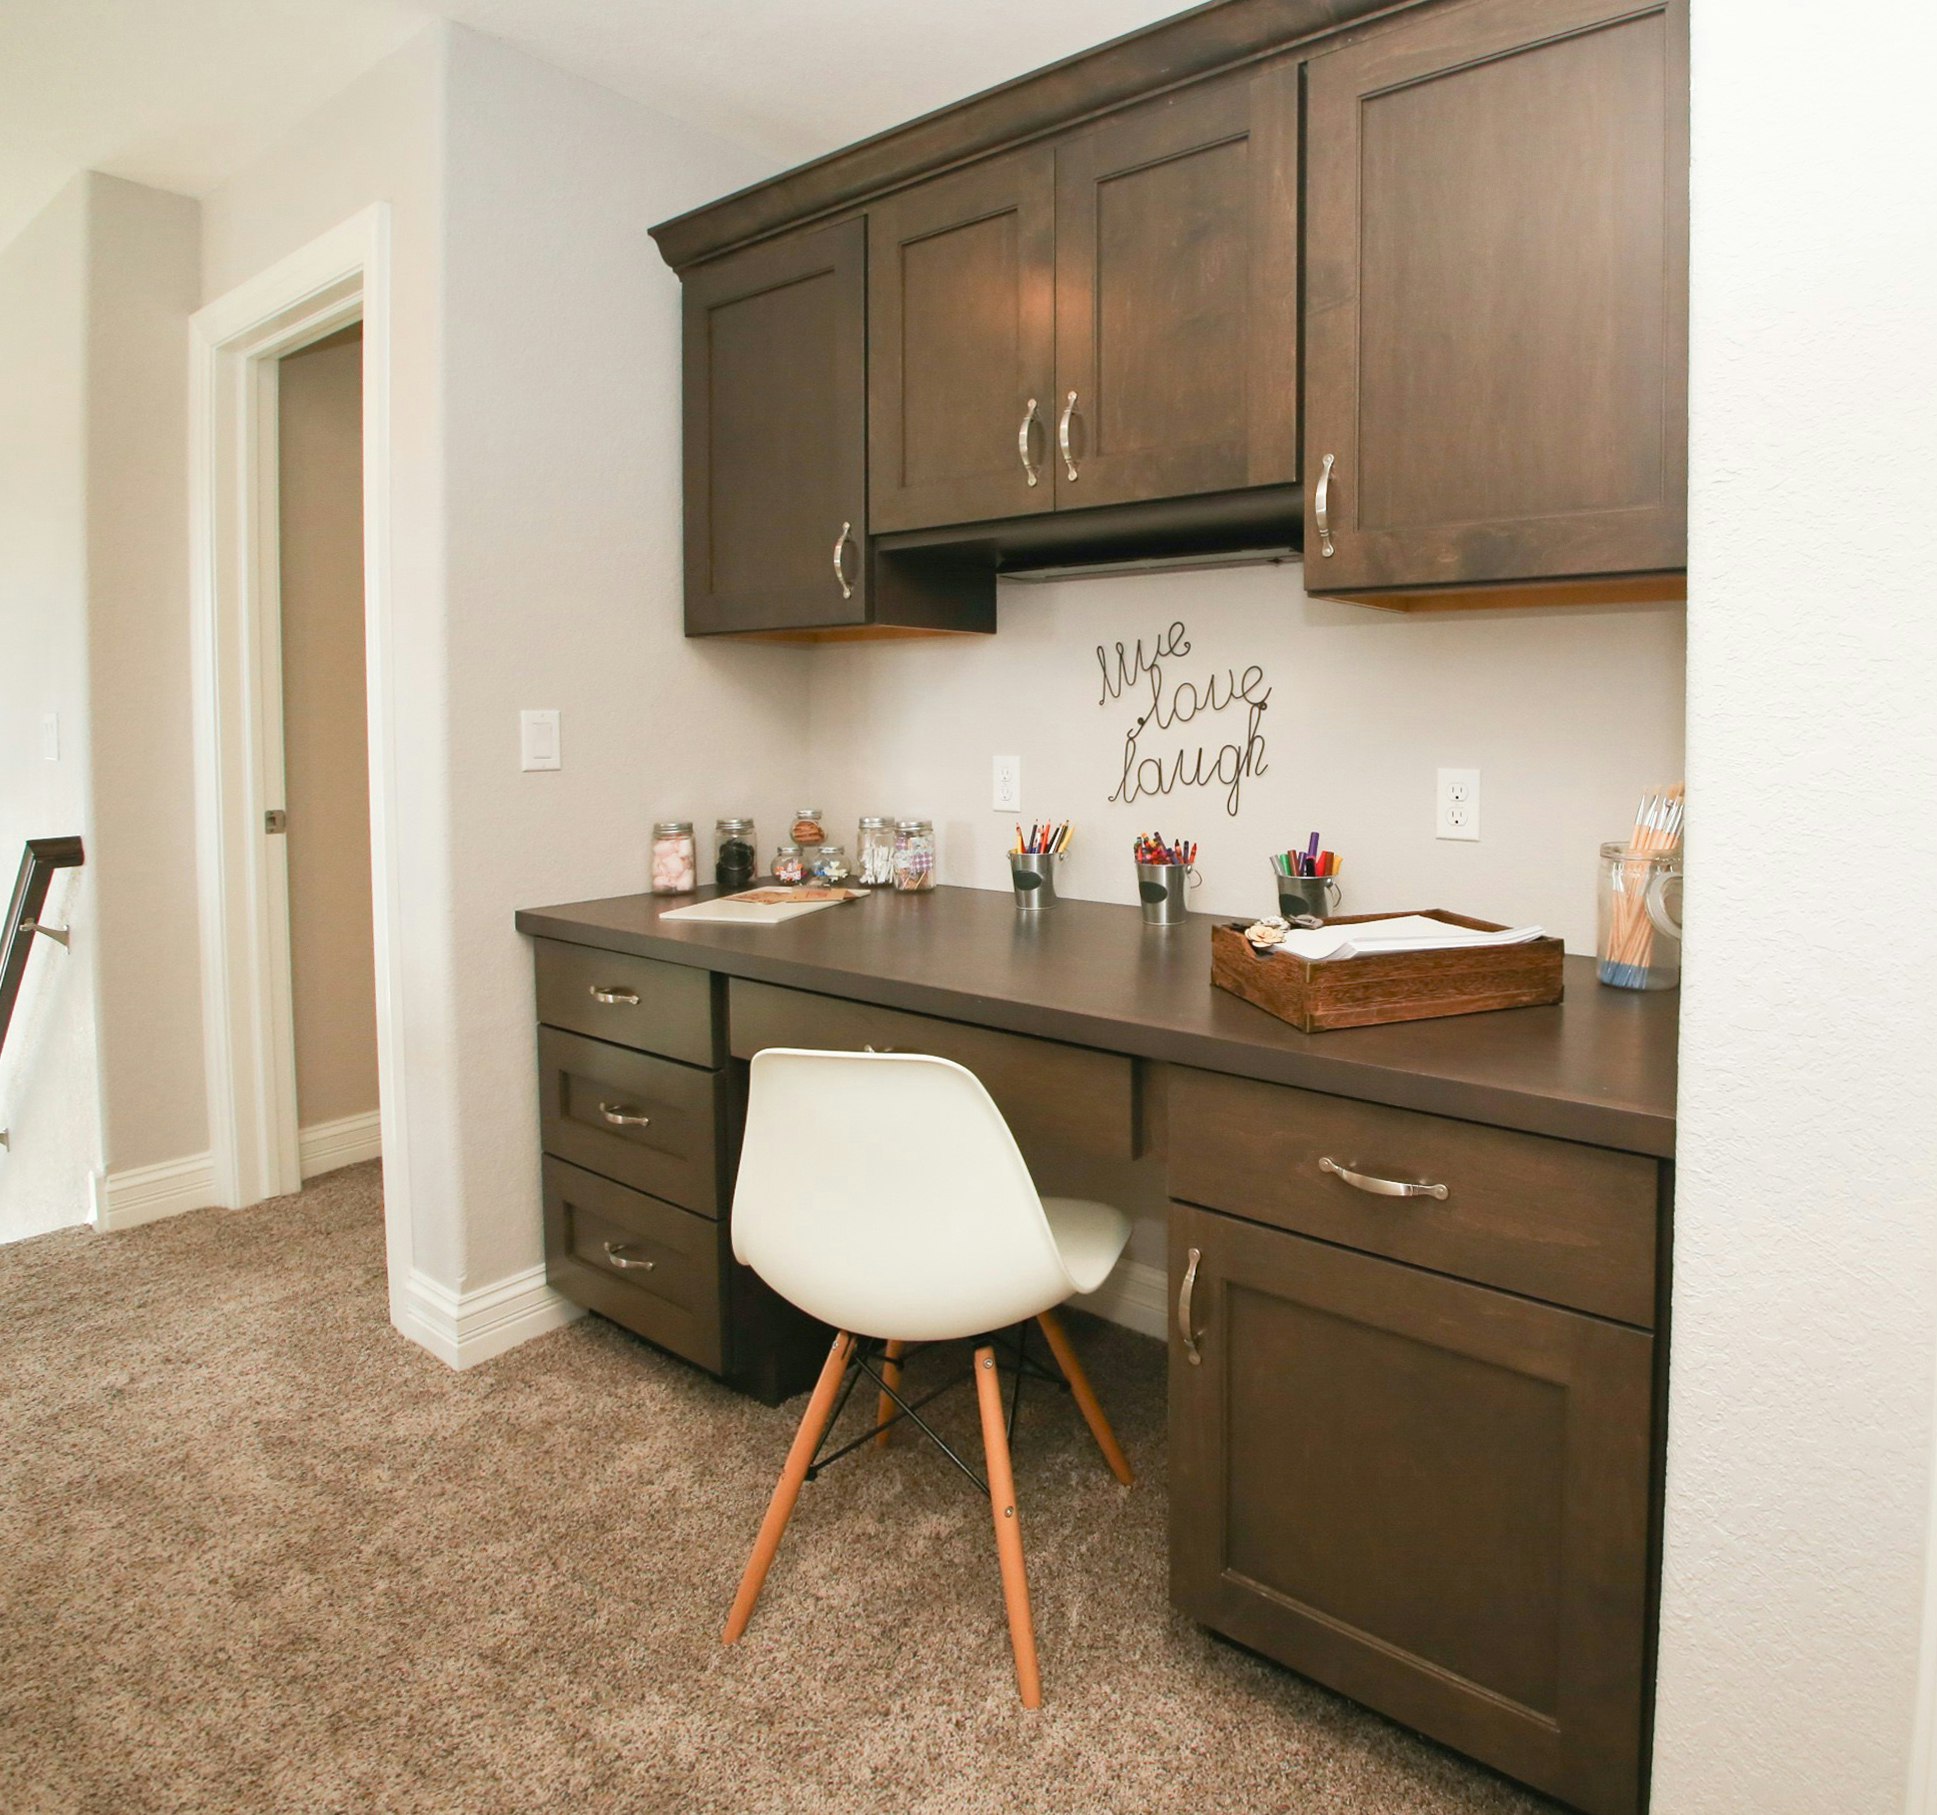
x=1156 y=764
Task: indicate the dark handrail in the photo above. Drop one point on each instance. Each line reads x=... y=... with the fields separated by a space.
x=38 y=862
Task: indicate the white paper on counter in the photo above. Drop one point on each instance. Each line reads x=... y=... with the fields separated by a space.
x=1402 y=933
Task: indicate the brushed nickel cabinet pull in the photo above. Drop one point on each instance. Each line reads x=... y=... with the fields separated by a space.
x=613 y=998
x=1030 y=470
x=1062 y=437
x=1185 y=1293
x=615 y=1252
x=1379 y=1187
x=623 y=1115
x=1321 y=511
x=840 y=559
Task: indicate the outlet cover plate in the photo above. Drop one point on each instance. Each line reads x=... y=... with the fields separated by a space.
x=1457 y=814
x=1008 y=784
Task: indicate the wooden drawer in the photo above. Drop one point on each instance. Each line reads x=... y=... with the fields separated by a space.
x=1552 y=1219
x=637 y=1002
x=1069 y=1096
x=678 y=1151
x=646 y=1264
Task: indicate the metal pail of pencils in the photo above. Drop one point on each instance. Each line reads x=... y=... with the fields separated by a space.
x=1162 y=889
x=1033 y=874
x=1307 y=895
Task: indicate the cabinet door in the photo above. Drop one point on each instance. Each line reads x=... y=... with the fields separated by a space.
x=1177 y=293
x=1429 y=1495
x=776 y=439
x=961 y=345
x=1496 y=344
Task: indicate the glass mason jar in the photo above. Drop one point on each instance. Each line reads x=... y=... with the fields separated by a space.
x=829 y=863
x=788 y=865
x=675 y=869
x=874 y=853
x=914 y=863
x=808 y=828
x=733 y=859
x=1640 y=917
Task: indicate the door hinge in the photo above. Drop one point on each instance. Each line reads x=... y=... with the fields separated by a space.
x=275 y=820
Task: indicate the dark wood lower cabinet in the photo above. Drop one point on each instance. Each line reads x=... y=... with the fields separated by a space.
x=1429 y=1495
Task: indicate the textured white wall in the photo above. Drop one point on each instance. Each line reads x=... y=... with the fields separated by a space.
x=1567 y=713
x=49 y=1093
x=1805 y=1296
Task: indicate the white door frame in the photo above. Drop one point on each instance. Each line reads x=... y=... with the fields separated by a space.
x=235 y=595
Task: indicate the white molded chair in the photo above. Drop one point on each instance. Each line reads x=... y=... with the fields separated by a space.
x=930 y=1230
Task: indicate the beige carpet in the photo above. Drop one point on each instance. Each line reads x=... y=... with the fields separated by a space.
x=257 y=1552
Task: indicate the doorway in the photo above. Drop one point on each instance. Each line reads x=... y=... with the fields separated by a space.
x=325 y=759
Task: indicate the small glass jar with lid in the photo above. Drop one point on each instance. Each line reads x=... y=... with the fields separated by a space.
x=829 y=864
x=809 y=830
x=874 y=853
x=733 y=859
x=914 y=855
x=675 y=870
x=788 y=864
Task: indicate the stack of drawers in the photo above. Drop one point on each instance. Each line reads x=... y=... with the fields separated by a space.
x=640 y=1115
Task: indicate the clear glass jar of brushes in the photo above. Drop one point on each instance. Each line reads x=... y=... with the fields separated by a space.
x=874 y=853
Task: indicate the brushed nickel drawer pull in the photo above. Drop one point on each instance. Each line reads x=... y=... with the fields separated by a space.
x=1030 y=469
x=623 y=1115
x=840 y=559
x=1379 y=1187
x=1062 y=436
x=612 y=998
x=1185 y=1293
x=1321 y=511
x=615 y=1252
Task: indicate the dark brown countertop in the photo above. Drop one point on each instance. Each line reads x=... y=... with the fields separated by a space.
x=1599 y=1067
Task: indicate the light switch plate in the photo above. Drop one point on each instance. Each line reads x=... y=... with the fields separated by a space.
x=50 y=737
x=1458 y=814
x=538 y=740
x=1008 y=784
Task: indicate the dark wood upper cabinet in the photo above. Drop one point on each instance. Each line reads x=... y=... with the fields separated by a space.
x=1177 y=295
x=776 y=434
x=1430 y=1495
x=1496 y=296
x=961 y=349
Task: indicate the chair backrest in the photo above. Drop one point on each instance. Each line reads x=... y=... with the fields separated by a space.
x=884 y=1194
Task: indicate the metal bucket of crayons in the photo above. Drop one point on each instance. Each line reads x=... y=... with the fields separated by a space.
x=1032 y=866
x=1164 y=880
x=1305 y=882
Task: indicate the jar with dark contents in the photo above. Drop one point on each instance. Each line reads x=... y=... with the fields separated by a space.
x=733 y=859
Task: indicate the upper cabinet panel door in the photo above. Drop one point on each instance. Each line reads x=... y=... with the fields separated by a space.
x=961 y=301
x=1177 y=296
x=1496 y=346
x=776 y=435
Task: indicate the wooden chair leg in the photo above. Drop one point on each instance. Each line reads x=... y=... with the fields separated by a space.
x=786 y=1491
x=885 y=1407
x=1085 y=1397
x=1008 y=1533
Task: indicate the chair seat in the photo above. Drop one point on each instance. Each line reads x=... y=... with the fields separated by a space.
x=1089 y=1236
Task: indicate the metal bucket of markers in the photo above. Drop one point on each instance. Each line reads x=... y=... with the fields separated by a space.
x=1033 y=876
x=1163 y=892
x=1315 y=895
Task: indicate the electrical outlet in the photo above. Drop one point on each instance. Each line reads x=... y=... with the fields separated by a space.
x=1008 y=784
x=1459 y=804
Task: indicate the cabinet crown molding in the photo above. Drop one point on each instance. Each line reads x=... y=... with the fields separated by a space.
x=1191 y=45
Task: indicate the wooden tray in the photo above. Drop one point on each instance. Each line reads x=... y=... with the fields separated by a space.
x=1392 y=986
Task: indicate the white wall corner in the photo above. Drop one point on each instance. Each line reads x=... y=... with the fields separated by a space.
x=463 y=1328
x=145 y=1194
x=1136 y=1295
x=325 y=1146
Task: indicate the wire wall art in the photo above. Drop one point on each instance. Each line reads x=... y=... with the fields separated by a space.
x=1162 y=753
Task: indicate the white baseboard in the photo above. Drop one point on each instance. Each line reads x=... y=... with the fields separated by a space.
x=462 y=1329
x=325 y=1146
x=145 y=1194
x=1135 y=1295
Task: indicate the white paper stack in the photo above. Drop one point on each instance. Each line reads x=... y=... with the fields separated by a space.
x=1402 y=933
